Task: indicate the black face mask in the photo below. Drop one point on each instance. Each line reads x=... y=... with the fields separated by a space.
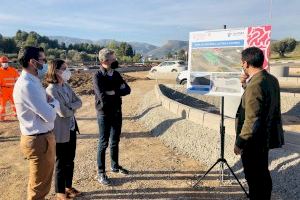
x=114 y=65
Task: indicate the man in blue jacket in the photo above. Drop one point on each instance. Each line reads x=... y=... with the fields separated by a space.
x=109 y=86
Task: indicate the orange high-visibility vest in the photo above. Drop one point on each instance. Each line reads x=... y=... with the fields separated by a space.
x=8 y=77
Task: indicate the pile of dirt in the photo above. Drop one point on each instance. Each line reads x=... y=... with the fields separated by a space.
x=82 y=83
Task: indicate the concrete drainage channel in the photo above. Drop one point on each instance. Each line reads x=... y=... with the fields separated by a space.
x=194 y=132
x=202 y=110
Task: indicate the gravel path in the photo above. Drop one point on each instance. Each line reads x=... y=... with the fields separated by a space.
x=162 y=151
x=202 y=144
x=157 y=172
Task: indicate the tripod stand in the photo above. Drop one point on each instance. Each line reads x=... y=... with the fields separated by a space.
x=222 y=160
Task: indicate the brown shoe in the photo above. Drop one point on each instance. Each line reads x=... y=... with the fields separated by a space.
x=71 y=193
x=61 y=196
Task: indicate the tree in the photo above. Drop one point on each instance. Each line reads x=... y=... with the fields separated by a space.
x=175 y=55
x=182 y=55
x=77 y=57
x=71 y=54
x=9 y=45
x=84 y=56
x=54 y=52
x=63 y=45
x=45 y=46
x=1 y=43
x=126 y=59
x=90 y=48
x=112 y=45
x=31 y=40
x=129 y=51
x=53 y=44
x=122 y=49
x=63 y=56
x=70 y=47
x=137 y=58
x=169 y=55
x=284 y=46
x=51 y=57
x=20 y=38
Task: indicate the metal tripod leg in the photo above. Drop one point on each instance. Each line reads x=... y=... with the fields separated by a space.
x=199 y=179
x=223 y=161
x=236 y=178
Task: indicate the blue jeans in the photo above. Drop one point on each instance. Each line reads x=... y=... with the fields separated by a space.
x=109 y=130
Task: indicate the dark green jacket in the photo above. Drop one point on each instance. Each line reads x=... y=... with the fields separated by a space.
x=258 y=119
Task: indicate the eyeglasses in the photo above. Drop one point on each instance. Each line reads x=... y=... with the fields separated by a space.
x=44 y=60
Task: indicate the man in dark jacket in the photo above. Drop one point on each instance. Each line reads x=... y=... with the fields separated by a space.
x=258 y=123
x=109 y=86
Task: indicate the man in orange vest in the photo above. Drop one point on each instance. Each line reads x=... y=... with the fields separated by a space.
x=8 y=77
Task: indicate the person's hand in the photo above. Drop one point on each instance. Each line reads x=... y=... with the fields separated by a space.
x=237 y=150
x=122 y=86
x=68 y=105
x=243 y=78
x=112 y=92
x=59 y=78
x=49 y=98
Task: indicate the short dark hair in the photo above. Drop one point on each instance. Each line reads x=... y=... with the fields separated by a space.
x=253 y=56
x=51 y=73
x=29 y=52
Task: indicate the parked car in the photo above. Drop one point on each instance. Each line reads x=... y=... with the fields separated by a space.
x=182 y=77
x=94 y=67
x=170 y=66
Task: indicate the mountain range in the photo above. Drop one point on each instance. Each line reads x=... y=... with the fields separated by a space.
x=145 y=49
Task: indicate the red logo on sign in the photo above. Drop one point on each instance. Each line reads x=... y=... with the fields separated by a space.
x=260 y=37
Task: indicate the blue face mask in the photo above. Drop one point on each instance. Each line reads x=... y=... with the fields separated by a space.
x=42 y=72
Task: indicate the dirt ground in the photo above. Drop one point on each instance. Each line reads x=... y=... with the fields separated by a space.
x=156 y=172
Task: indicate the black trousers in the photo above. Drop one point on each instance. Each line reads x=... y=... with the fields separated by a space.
x=65 y=154
x=257 y=174
x=109 y=131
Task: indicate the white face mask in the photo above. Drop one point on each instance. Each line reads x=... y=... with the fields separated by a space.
x=66 y=75
x=5 y=65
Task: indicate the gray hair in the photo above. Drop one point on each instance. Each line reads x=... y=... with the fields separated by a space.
x=104 y=54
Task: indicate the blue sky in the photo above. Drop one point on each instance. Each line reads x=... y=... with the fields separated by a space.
x=151 y=21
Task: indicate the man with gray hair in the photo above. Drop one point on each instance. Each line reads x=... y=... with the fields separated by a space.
x=109 y=86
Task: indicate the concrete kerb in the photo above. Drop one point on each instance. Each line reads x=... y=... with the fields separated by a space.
x=287 y=94
x=171 y=105
x=289 y=80
x=203 y=118
x=197 y=116
x=284 y=61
